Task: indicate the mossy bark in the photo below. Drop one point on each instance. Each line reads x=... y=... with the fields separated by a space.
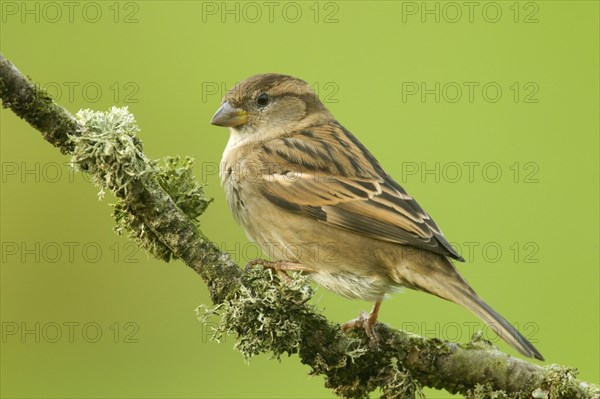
x=272 y=316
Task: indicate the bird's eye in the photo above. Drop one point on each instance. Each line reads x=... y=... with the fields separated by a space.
x=262 y=100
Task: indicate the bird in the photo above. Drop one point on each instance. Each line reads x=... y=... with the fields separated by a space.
x=316 y=201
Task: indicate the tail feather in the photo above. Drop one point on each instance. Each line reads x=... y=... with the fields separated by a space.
x=440 y=277
x=500 y=326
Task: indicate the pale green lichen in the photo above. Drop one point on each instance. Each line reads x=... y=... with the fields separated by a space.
x=560 y=382
x=266 y=314
x=176 y=178
x=486 y=391
x=398 y=383
x=374 y=371
x=108 y=149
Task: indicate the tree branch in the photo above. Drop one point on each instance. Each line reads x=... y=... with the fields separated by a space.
x=156 y=205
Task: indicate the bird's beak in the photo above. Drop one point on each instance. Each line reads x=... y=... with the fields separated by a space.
x=228 y=116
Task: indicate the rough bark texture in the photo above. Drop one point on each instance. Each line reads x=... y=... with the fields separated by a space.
x=404 y=362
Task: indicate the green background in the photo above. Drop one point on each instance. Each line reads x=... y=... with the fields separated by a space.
x=162 y=59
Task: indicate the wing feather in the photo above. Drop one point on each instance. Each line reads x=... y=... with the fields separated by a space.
x=351 y=192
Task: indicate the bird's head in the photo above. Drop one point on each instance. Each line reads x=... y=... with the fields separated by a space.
x=266 y=102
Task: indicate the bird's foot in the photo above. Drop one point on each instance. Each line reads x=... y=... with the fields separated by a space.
x=280 y=267
x=366 y=321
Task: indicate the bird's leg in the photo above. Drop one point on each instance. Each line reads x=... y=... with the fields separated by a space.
x=280 y=267
x=367 y=322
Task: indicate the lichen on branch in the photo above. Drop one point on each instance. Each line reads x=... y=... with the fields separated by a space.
x=265 y=314
x=107 y=148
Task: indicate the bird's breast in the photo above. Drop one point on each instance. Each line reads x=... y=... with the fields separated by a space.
x=242 y=181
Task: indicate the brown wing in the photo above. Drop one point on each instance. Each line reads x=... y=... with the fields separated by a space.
x=322 y=179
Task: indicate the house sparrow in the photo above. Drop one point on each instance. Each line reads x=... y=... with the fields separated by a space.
x=317 y=201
